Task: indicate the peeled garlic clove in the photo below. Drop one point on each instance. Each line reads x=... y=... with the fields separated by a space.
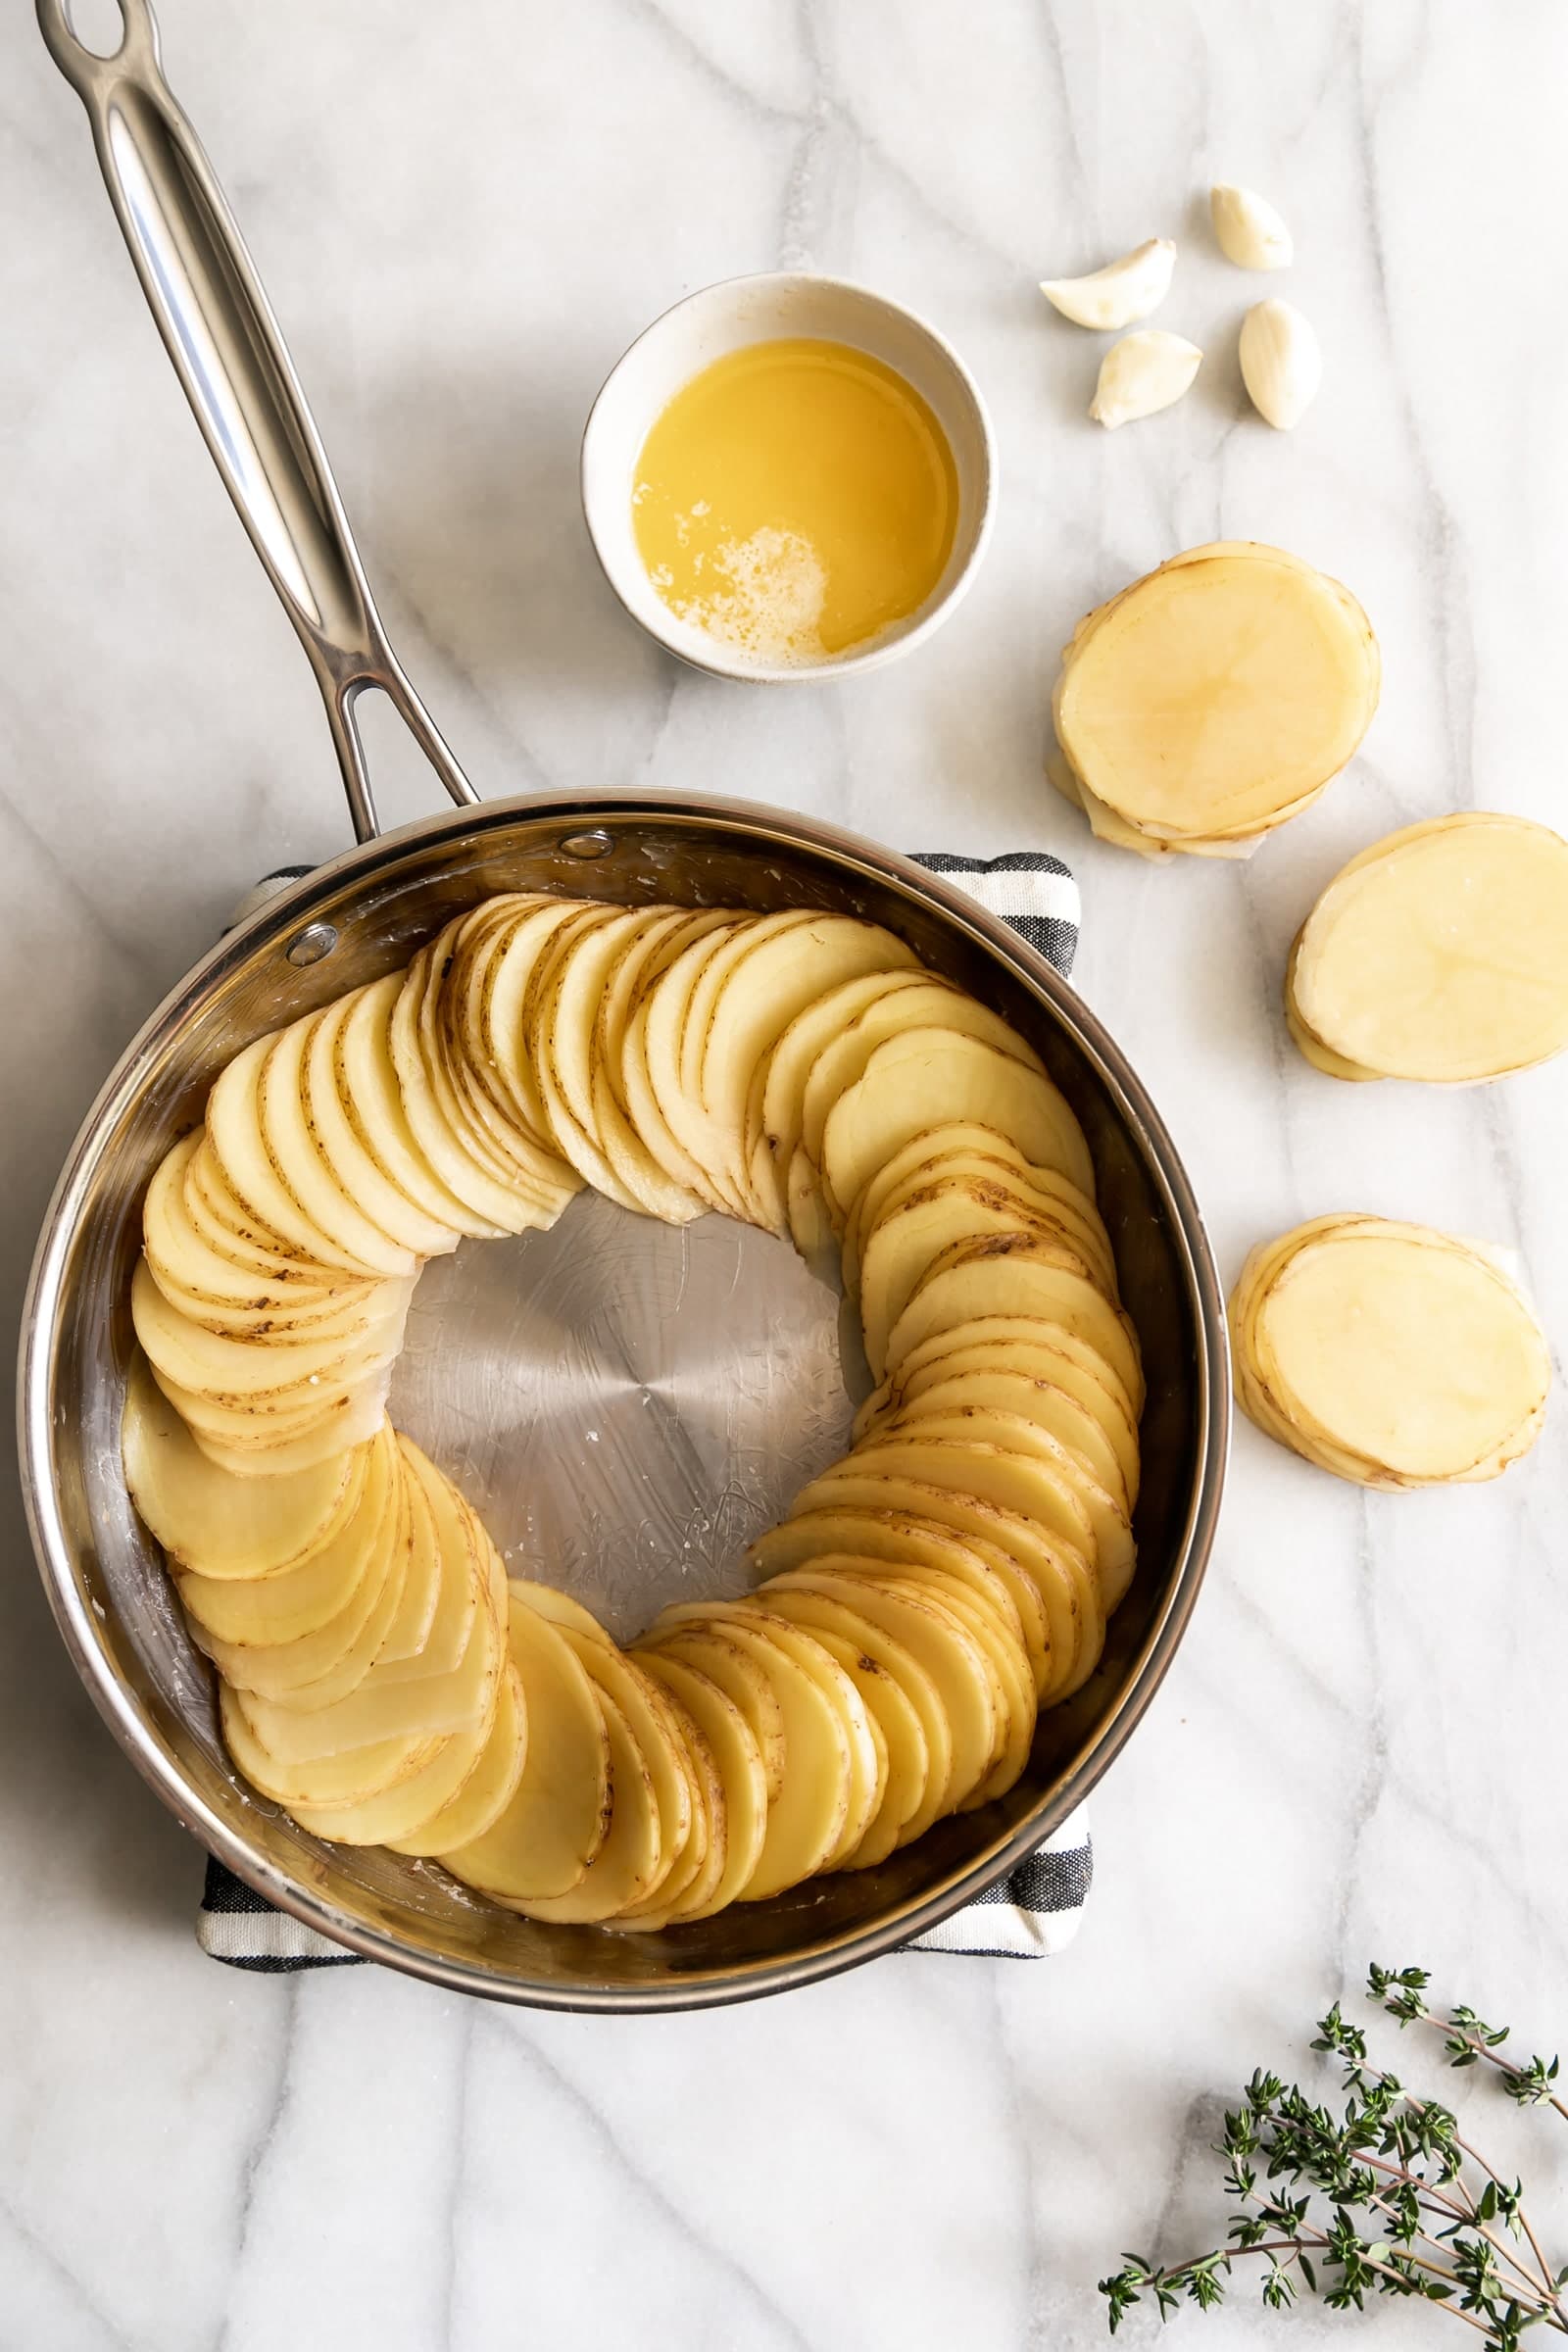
x=1249 y=231
x=1120 y=293
x=1140 y=374
x=1282 y=365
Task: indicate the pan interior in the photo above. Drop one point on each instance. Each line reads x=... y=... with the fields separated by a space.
x=627 y=1405
x=609 y=1382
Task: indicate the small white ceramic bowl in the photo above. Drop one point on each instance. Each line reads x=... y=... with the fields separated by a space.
x=726 y=318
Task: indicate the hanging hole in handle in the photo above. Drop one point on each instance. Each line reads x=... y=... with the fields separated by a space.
x=100 y=26
x=588 y=845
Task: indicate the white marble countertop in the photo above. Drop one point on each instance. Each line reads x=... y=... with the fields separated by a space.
x=463 y=216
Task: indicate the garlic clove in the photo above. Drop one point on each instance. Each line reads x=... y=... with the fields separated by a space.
x=1140 y=374
x=1282 y=364
x=1249 y=231
x=1120 y=293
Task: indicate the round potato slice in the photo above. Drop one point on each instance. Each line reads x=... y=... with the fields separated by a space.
x=377 y=1708
x=833 y=1618
x=235 y=1140
x=699 y=1870
x=923 y=1077
x=902 y=1248
x=1022 y=1276
x=289 y=1139
x=948 y=1652
x=738 y=1760
x=1404 y=1347
x=1441 y=954
x=805 y=1817
x=868 y=1753
x=1072 y=1424
x=893 y=1537
x=628 y=1864
x=229 y=1370
x=669 y=1121
x=774 y=1111
x=1014 y=1680
x=740 y=1679
x=480 y=1798
x=210 y=1285
x=330 y=1109
x=365 y=1077
x=1069 y=1593
x=277 y=1611
x=1044 y=1200
x=905 y=1759
x=964 y=1147
x=930 y=1004
x=1217 y=694
x=1037 y=1349
x=1108 y=1541
x=228 y=1527
x=350 y=1779
x=554 y=1825
x=352 y=1421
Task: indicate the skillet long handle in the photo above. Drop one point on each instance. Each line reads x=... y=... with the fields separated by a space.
x=230 y=354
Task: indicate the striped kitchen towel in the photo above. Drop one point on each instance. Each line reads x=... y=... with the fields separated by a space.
x=1032 y=1913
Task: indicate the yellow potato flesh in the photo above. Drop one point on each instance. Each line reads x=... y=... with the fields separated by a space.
x=1424 y=1359
x=1217 y=694
x=1443 y=953
x=555 y=1823
x=738 y=1763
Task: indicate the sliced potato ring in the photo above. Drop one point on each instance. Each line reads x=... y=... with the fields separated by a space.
x=902 y=1248
x=350 y=1779
x=366 y=1074
x=1017 y=1277
x=709 y=1650
x=289 y=1137
x=1039 y=1350
x=337 y=1121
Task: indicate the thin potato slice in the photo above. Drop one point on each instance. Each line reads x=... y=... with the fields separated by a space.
x=689 y=1889
x=445 y=1540
x=738 y=1760
x=898 y=1538
x=836 y=1619
x=923 y=1077
x=350 y=1779
x=949 y=1654
x=1022 y=1277
x=289 y=1139
x=555 y=1823
x=277 y=1611
x=903 y=1246
x=227 y=1369
x=867 y=1755
x=481 y=1797
x=754 y=1004
x=335 y=1114
x=366 y=1076
x=664 y=934
x=930 y=1163
x=1040 y=1350
x=1402 y=1349
x=627 y=1865
x=1217 y=694
x=1071 y=1424
x=234 y=1139
x=672 y=1123
x=250 y=1300
x=742 y=1679
x=228 y=1527
x=930 y=1004
x=807 y=1814
x=773 y=1112
x=906 y=1757
x=1440 y=953
x=1069 y=1591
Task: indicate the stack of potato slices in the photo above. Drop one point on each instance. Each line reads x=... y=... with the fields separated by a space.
x=1390 y=1354
x=1440 y=954
x=1213 y=700
x=953 y=1573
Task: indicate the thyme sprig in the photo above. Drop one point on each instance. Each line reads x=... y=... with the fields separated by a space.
x=1387 y=2198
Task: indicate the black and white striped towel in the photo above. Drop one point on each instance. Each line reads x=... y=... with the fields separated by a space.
x=1035 y=1911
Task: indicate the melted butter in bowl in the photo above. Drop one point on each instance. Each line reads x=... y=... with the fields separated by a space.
x=795 y=499
x=789 y=477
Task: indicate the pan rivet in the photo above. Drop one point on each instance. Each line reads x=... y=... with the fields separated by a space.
x=313 y=943
x=588 y=845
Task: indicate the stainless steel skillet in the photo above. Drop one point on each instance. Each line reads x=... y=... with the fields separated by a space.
x=625 y=1403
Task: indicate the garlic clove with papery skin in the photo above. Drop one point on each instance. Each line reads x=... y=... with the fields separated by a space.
x=1142 y=374
x=1248 y=230
x=1120 y=293
x=1282 y=363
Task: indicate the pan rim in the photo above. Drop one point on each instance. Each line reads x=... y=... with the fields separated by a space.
x=842 y=1949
